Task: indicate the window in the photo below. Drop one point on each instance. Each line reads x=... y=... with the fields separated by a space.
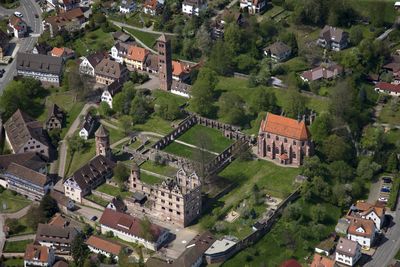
x=268 y=148
x=170 y=210
x=162 y=193
x=177 y=199
x=294 y=142
x=277 y=138
x=268 y=136
x=178 y=213
x=285 y=140
x=170 y=196
x=162 y=208
x=162 y=201
x=177 y=206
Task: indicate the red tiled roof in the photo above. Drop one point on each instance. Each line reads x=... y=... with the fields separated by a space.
x=57 y=52
x=104 y=245
x=290 y=263
x=388 y=87
x=36 y=252
x=367 y=225
x=137 y=53
x=366 y=208
x=128 y=224
x=321 y=261
x=284 y=126
x=151 y=4
x=179 y=67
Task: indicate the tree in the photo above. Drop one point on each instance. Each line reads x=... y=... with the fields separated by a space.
x=392 y=164
x=312 y=12
x=221 y=58
x=104 y=109
x=341 y=170
x=203 y=92
x=291 y=40
x=263 y=100
x=321 y=127
x=122 y=101
x=231 y=108
x=126 y=123
x=373 y=138
x=169 y=109
x=140 y=109
x=318 y=213
x=55 y=137
x=79 y=249
x=233 y=38
x=48 y=206
x=293 y=211
x=356 y=35
x=366 y=169
x=336 y=148
x=203 y=40
x=34 y=217
x=75 y=143
x=295 y=105
x=121 y=173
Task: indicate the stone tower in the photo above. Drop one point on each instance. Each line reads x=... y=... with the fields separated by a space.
x=164 y=62
x=102 y=138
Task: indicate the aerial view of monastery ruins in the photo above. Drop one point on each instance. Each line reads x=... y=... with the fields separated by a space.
x=193 y=133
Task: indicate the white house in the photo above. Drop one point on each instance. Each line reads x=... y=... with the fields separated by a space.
x=368 y=211
x=127 y=6
x=388 y=88
x=37 y=255
x=102 y=246
x=362 y=231
x=151 y=7
x=193 y=7
x=253 y=6
x=89 y=63
x=87 y=127
x=17 y=27
x=348 y=252
x=110 y=91
x=128 y=228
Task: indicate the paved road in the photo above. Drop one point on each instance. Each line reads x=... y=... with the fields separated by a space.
x=386 y=251
x=63 y=146
x=384 y=35
x=124 y=25
x=28 y=8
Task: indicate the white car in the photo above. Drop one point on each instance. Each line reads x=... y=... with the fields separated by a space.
x=18 y=14
x=383 y=199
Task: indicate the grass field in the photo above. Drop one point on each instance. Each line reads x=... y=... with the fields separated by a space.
x=93 y=41
x=150 y=179
x=112 y=190
x=115 y=135
x=218 y=142
x=18 y=262
x=162 y=95
x=148 y=39
x=12 y=202
x=387 y=115
x=154 y=124
x=185 y=151
x=23 y=227
x=80 y=158
x=367 y=7
x=71 y=116
x=97 y=200
x=159 y=169
x=16 y=246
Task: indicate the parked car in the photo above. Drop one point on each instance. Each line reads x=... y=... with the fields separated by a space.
x=386 y=190
x=387 y=180
x=94 y=218
x=18 y=14
x=36 y=16
x=383 y=199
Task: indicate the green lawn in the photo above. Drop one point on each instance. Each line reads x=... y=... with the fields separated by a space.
x=388 y=115
x=159 y=169
x=162 y=95
x=367 y=7
x=218 y=142
x=112 y=190
x=18 y=262
x=97 y=200
x=92 y=42
x=185 y=151
x=397 y=257
x=73 y=113
x=148 y=39
x=10 y=4
x=154 y=124
x=286 y=240
x=65 y=100
x=115 y=135
x=12 y=202
x=16 y=246
x=80 y=158
x=150 y=179
x=23 y=228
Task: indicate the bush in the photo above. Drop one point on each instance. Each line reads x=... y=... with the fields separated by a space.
x=394 y=194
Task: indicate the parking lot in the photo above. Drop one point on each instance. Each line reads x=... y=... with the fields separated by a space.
x=386 y=183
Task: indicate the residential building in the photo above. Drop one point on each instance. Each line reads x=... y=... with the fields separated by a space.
x=387 y=88
x=177 y=199
x=110 y=91
x=362 y=231
x=253 y=6
x=120 y=36
x=321 y=261
x=55 y=118
x=70 y=21
x=117 y=204
x=278 y=51
x=4 y=44
x=193 y=7
x=181 y=88
x=324 y=71
x=88 y=177
x=30 y=160
x=129 y=228
x=181 y=70
x=333 y=38
x=42 y=48
x=24 y=134
x=164 y=62
x=66 y=5
x=368 y=211
x=88 y=126
x=17 y=27
x=284 y=140
x=64 y=203
x=89 y=63
x=326 y=247
x=64 y=52
x=36 y=255
x=132 y=55
x=102 y=246
x=393 y=67
x=221 y=250
x=152 y=7
x=102 y=138
x=221 y=20
x=152 y=63
x=108 y=71
x=46 y=69
x=347 y=252
x=127 y=6
x=56 y=237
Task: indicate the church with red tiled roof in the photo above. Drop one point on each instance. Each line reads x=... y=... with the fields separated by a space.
x=284 y=140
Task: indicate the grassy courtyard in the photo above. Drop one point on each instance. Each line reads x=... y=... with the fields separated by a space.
x=80 y=158
x=150 y=179
x=218 y=142
x=23 y=227
x=149 y=39
x=97 y=200
x=16 y=246
x=186 y=151
x=389 y=113
x=93 y=41
x=154 y=124
x=159 y=169
x=10 y=203
x=18 y=262
x=112 y=190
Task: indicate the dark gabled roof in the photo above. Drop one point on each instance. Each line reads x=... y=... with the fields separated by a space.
x=59 y=197
x=114 y=88
x=39 y=63
x=278 y=48
x=110 y=68
x=55 y=111
x=89 y=122
x=152 y=62
x=55 y=233
x=43 y=48
x=195 y=249
x=334 y=34
x=29 y=160
x=121 y=36
x=95 y=58
x=29 y=175
x=95 y=169
x=20 y=128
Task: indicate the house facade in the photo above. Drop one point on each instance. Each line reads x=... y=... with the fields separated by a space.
x=387 y=88
x=368 y=211
x=278 y=51
x=132 y=55
x=333 y=38
x=40 y=256
x=89 y=63
x=70 y=21
x=44 y=68
x=152 y=7
x=362 y=231
x=56 y=237
x=128 y=228
x=108 y=71
x=55 y=118
x=17 y=27
x=88 y=126
x=327 y=71
x=348 y=252
x=253 y=6
x=102 y=246
x=178 y=199
x=127 y=6
x=110 y=91
x=284 y=140
x=193 y=7
x=24 y=134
